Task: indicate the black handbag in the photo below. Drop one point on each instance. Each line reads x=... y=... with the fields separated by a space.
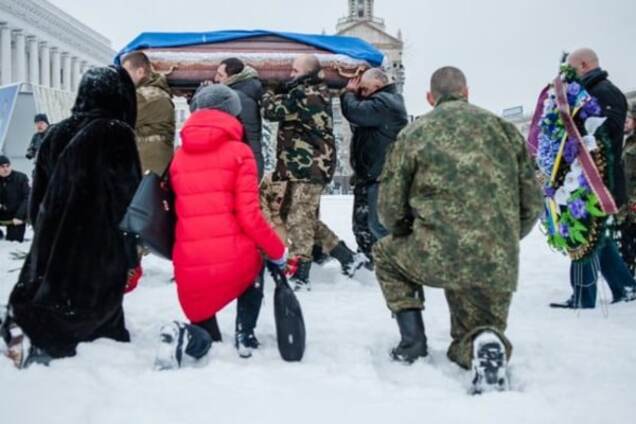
x=150 y=215
x=290 y=325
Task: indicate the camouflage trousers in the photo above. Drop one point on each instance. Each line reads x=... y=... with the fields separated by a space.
x=289 y=204
x=472 y=310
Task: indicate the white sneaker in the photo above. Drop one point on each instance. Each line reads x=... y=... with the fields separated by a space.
x=18 y=347
x=359 y=260
x=489 y=364
x=172 y=344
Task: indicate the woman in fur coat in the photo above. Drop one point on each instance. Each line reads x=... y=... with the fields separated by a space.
x=72 y=283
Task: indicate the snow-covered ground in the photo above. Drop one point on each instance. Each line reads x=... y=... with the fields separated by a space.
x=568 y=367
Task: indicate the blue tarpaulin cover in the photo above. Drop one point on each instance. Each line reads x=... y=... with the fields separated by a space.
x=350 y=46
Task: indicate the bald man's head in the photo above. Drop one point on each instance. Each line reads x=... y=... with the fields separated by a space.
x=305 y=64
x=583 y=61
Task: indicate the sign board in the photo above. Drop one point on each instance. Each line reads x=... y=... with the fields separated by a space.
x=513 y=112
x=8 y=97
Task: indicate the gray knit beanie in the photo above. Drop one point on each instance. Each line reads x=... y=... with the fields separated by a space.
x=217 y=96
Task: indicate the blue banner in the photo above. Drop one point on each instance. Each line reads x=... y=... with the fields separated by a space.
x=349 y=46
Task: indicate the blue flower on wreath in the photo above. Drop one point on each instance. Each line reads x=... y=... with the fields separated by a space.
x=578 y=209
x=564 y=230
x=571 y=151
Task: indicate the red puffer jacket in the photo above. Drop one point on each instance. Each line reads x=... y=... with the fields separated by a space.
x=220 y=228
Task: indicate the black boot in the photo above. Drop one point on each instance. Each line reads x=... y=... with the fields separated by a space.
x=413 y=343
x=300 y=280
x=349 y=261
x=319 y=256
x=248 y=307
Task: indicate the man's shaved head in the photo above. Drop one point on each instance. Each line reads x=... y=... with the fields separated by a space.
x=448 y=81
x=583 y=60
x=305 y=64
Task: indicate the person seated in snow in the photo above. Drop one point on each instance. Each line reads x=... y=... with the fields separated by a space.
x=220 y=231
x=72 y=284
x=14 y=197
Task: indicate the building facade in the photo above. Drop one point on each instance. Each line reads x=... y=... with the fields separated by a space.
x=361 y=22
x=42 y=45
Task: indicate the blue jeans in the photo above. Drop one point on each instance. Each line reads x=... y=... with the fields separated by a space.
x=377 y=229
x=584 y=275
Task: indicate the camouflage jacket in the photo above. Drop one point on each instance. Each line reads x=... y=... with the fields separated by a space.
x=460 y=188
x=306 y=147
x=629 y=164
x=155 y=113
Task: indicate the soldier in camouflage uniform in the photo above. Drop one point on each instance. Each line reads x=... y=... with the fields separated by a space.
x=275 y=202
x=155 y=127
x=457 y=194
x=306 y=154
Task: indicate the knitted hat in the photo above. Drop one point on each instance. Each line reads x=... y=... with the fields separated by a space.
x=4 y=160
x=41 y=117
x=219 y=97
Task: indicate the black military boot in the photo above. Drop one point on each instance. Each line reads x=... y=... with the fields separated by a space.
x=300 y=280
x=349 y=261
x=319 y=256
x=413 y=343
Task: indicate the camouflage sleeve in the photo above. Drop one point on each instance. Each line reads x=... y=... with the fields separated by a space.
x=629 y=158
x=279 y=107
x=395 y=185
x=530 y=196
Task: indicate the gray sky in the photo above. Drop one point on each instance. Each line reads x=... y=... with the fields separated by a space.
x=508 y=49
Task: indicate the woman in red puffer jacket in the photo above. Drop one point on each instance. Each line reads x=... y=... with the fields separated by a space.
x=220 y=231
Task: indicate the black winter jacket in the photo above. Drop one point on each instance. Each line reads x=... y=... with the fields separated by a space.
x=376 y=122
x=14 y=196
x=34 y=146
x=614 y=105
x=250 y=92
x=71 y=285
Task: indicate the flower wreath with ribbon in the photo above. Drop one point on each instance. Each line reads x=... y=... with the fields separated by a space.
x=573 y=156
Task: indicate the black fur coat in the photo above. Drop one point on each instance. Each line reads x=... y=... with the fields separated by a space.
x=71 y=286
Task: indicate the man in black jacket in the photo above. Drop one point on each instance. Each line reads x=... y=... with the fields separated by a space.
x=14 y=198
x=244 y=80
x=41 y=126
x=377 y=114
x=607 y=260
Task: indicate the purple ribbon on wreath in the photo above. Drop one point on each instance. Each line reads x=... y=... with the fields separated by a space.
x=535 y=125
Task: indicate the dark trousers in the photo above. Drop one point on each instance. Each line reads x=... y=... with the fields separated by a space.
x=366 y=221
x=378 y=230
x=199 y=341
x=15 y=233
x=248 y=306
x=584 y=275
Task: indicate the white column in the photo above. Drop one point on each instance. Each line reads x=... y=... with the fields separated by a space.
x=5 y=55
x=45 y=65
x=56 y=67
x=84 y=67
x=20 y=58
x=66 y=72
x=76 y=74
x=34 y=61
